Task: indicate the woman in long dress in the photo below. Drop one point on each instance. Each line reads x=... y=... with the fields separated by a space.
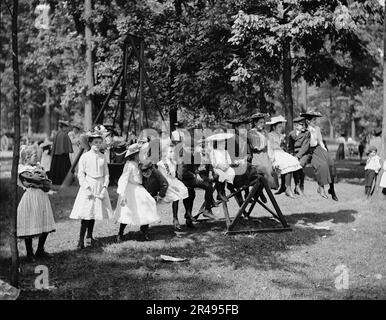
x=321 y=161
x=176 y=190
x=283 y=161
x=258 y=148
x=135 y=206
x=92 y=201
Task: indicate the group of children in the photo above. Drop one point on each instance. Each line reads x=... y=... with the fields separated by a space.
x=143 y=182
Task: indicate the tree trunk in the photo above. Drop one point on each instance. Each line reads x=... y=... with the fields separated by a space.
x=14 y=278
x=47 y=113
x=287 y=85
x=90 y=70
x=262 y=100
x=141 y=90
x=383 y=151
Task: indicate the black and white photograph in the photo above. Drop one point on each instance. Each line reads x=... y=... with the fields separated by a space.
x=193 y=157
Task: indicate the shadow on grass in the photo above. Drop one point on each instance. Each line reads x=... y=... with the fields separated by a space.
x=341 y=216
x=133 y=269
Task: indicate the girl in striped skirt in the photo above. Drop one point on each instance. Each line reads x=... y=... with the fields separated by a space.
x=34 y=213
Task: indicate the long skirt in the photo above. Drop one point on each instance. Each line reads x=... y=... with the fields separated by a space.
x=140 y=208
x=285 y=162
x=176 y=191
x=60 y=166
x=340 y=152
x=323 y=165
x=34 y=214
x=382 y=184
x=263 y=164
x=94 y=208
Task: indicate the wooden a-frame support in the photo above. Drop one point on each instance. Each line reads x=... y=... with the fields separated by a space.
x=247 y=206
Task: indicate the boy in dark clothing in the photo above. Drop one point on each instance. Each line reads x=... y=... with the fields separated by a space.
x=299 y=146
x=153 y=180
x=196 y=175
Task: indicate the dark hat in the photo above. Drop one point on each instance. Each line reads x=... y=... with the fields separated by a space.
x=371 y=149
x=311 y=114
x=378 y=132
x=259 y=115
x=299 y=119
x=146 y=164
x=238 y=121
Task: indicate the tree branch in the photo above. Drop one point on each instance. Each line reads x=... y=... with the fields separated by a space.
x=9 y=8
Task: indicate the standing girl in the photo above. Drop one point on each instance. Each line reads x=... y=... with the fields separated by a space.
x=280 y=159
x=135 y=205
x=34 y=212
x=93 y=201
x=176 y=190
x=321 y=161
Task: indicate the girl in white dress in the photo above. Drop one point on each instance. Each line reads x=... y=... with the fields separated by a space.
x=135 y=206
x=93 y=201
x=221 y=162
x=176 y=190
x=34 y=213
x=280 y=159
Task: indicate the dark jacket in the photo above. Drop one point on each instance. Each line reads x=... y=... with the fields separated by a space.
x=156 y=184
x=299 y=146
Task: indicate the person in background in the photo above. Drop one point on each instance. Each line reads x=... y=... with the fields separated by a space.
x=362 y=145
x=299 y=147
x=92 y=201
x=373 y=165
x=74 y=136
x=135 y=204
x=321 y=161
x=61 y=149
x=382 y=183
x=46 y=158
x=4 y=142
x=340 y=153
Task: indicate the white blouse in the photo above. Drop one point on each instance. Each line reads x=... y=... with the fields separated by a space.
x=93 y=164
x=316 y=137
x=373 y=163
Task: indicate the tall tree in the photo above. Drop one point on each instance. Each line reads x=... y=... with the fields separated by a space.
x=88 y=107
x=16 y=149
x=383 y=152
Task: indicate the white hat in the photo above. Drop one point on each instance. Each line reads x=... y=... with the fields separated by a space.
x=136 y=147
x=220 y=136
x=277 y=119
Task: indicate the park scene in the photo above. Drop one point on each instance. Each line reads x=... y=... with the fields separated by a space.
x=193 y=150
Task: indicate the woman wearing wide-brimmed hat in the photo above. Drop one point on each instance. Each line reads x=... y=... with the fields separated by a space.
x=321 y=161
x=92 y=201
x=283 y=161
x=135 y=206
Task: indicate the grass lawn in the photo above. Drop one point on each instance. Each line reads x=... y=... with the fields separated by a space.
x=300 y=264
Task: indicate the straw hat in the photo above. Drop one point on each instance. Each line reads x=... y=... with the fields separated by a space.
x=259 y=115
x=64 y=123
x=135 y=148
x=220 y=136
x=276 y=119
